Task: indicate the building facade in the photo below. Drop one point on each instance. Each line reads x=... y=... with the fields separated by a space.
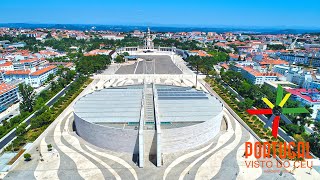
x=256 y=77
x=34 y=79
x=8 y=96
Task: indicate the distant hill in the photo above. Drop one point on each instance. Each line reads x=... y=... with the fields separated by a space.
x=124 y=28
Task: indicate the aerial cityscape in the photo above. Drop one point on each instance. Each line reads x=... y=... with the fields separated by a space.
x=157 y=92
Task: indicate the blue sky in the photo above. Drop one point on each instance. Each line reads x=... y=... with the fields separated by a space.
x=280 y=13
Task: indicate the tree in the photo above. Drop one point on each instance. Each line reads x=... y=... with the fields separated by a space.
x=50 y=77
x=27 y=94
x=222 y=70
x=246 y=104
x=54 y=86
x=245 y=89
x=49 y=35
x=90 y=64
x=126 y=54
x=62 y=82
x=294 y=129
x=49 y=146
x=42 y=119
x=317 y=126
x=314 y=140
x=276 y=46
x=21 y=129
x=27 y=157
x=212 y=73
x=119 y=59
x=70 y=75
x=2 y=130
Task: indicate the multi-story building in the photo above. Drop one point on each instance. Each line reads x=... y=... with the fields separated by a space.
x=8 y=96
x=112 y=36
x=33 y=78
x=137 y=33
x=16 y=45
x=310 y=97
x=7 y=66
x=274 y=84
x=237 y=67
x=31 y=63
x=313 y=84
x=281 y=69
x=38 y=77
x=256 y=77
x=295 y=58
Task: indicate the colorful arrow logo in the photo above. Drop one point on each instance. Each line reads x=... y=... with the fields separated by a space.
x=277 y=111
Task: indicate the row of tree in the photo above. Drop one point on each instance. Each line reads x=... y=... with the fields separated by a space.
x=205 y=64
x=276 y=47
x=64 y=44
x=91 y=64
x=186 y=45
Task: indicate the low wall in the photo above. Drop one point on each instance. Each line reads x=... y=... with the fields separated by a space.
x=120 y=140
x=178 y=139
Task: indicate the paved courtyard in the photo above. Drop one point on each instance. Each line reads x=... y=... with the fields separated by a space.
x=150 y=64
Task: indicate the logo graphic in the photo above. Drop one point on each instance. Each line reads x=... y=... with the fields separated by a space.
x=277 y=111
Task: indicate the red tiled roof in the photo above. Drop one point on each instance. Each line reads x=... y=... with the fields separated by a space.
x=48 y=52
x=5 y=88
x=43 y=70
x=28 y=60
x=270 y=51
x=220 y=44
x=272 y=61
x=298 y=92
x=257 y=73
x=200 y=53
x=225 y=65
x=6 y=64
x=96 y=52
x=17 y=72
x=234 y=56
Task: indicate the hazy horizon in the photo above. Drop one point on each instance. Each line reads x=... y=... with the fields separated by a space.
x=240 y=27
x=247 y=13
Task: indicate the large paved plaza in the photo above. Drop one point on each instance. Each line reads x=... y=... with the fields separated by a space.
x=151 y=64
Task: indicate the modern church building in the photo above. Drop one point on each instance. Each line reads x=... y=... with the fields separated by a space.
x=148 y=120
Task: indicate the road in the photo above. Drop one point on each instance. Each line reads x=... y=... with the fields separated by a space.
x=12 y=134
